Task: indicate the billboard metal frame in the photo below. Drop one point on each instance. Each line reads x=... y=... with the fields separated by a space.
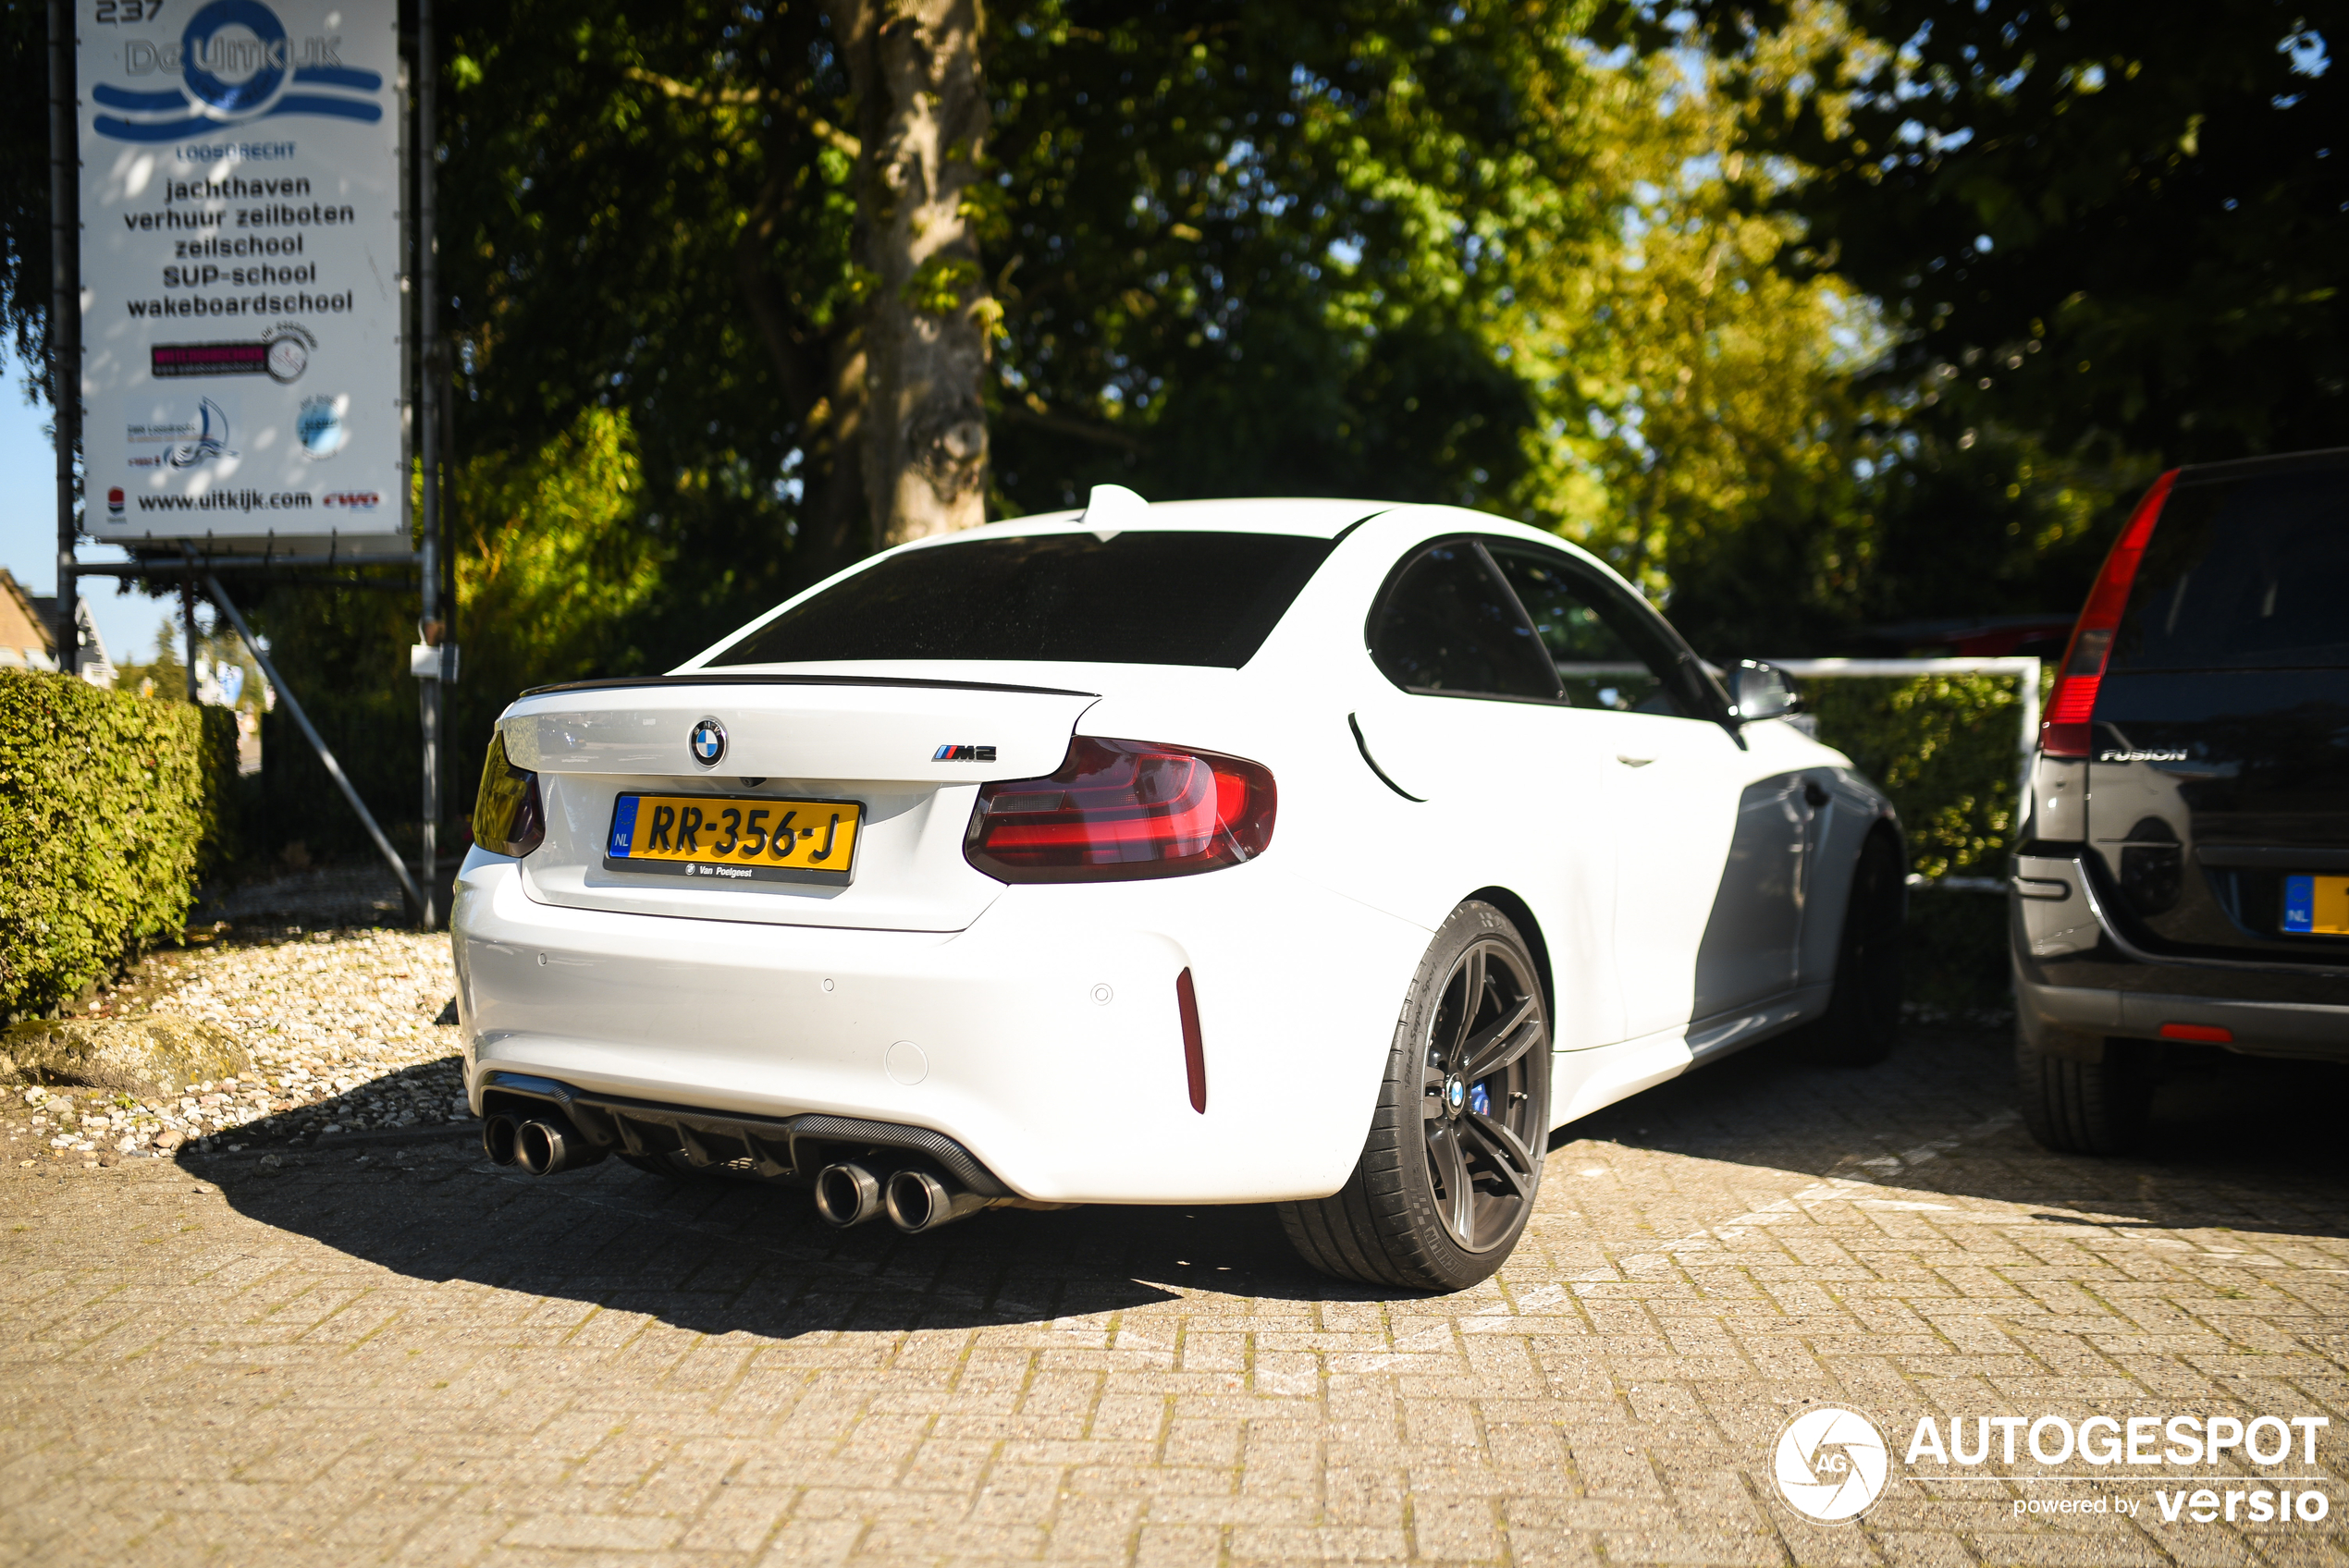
x=197 y=564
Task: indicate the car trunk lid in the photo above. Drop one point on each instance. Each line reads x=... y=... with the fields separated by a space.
x=2219 y=759
x=909 y=753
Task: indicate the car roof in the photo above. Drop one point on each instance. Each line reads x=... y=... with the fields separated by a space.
x=1311 y=517
x=1308 y=517
x=2248 y=468
x=1302 y=516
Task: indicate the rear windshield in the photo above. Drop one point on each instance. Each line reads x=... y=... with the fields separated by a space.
x=1152 y=597
x=2245 y=574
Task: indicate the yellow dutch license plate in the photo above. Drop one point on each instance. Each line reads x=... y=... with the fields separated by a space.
x=2318 y=905
x=732 y=838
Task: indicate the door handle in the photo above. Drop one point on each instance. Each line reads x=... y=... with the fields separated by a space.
x=1632 y=761
x=1813 y=794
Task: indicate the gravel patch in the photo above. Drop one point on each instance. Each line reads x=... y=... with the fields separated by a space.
x=342 y=1029
x=360 y=893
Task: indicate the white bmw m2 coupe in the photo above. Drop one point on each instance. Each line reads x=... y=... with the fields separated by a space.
x=1312 y=852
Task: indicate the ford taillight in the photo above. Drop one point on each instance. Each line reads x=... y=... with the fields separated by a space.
x=2065 y=731
x=508 y=817
x=1118 y=810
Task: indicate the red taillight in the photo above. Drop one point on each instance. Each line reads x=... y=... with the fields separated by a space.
x=508 y=817
x=530 y=822
x=2065 y=732
x=1122 y=809
x=2209 y=1033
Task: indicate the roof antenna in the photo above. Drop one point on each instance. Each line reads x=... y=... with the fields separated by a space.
x=1112 y=508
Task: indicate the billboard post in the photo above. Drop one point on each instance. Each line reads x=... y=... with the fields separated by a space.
x=429 y=372
x=65 y=317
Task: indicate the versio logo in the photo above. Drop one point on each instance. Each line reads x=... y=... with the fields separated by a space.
x=1831 y=1465
x=2111 y=1445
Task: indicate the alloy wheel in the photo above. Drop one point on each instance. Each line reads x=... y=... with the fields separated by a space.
x=1477 y=1105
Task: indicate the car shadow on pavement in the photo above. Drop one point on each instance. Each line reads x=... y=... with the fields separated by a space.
x=718 y=1255
x=2240 y=1144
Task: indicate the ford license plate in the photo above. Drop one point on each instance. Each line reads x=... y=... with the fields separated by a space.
x=735 y=839
x=2317 y=905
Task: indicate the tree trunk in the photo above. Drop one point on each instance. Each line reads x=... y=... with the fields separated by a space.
x=833 y=530
x=921 y=118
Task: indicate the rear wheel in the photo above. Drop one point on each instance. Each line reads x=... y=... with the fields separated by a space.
x=2082 y=1093
x=1862 y=1019
x=1448 y=1175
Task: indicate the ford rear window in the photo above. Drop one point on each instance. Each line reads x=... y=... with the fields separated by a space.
x=2249 y=574
x=1187 y=599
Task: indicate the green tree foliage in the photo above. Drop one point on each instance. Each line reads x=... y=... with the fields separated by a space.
x=1453 y=256
x=1702 y=403
x=1925 y=524
x=626 y=189
x=25 y=277
x=733 y=219
x=1272 y=247
x=1296 y=248
x=1236 y=249
x=551 y=564
x=2116 y=224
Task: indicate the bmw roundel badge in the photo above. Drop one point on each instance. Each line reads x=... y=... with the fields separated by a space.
x=708 y=743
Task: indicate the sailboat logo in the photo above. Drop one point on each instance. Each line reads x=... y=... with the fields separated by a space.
x=211 y=440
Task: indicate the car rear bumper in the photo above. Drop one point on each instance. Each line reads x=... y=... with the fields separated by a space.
x=1045 y=1039
x=2073 y=972
x=2255 y=1028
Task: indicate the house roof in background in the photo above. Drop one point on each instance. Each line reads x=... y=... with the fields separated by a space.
x=22 y=626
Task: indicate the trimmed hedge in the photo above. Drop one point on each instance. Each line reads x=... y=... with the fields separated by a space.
x=110 y=805
x=1943 y=747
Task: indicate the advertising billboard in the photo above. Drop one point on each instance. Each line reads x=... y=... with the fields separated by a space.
x=240 y=271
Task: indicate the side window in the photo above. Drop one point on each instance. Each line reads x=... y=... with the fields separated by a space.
x=1608 y=647
x=1447 y=626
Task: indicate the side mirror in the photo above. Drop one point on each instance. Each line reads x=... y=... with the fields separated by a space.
x=1758 y=692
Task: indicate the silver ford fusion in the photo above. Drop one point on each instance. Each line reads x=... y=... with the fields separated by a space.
x=1323 y=853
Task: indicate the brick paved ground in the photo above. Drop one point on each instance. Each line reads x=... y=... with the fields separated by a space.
x=414 y=1357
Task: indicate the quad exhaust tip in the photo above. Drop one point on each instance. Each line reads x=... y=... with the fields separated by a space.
x=918 y=1201
x=847 y=1195
x=498 y=1138
x=541 y=1145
